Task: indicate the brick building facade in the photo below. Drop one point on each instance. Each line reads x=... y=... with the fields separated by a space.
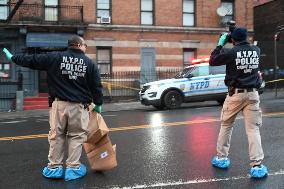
x=168 y=36
x=122 y=35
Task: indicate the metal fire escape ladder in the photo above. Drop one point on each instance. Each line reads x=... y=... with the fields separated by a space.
x=13 y=12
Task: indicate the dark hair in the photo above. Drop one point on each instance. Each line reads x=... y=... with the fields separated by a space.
x=75 y=40
x=239 y=34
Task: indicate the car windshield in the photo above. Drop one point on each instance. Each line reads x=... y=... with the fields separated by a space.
x=185 y=72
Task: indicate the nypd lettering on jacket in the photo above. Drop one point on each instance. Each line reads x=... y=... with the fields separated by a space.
x=247 y=61
x=73 y=67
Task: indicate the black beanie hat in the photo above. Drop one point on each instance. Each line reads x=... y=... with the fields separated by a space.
x=239 y=34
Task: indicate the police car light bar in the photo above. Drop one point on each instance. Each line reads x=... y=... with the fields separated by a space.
x=200 y=60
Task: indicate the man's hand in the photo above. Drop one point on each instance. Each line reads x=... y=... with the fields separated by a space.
x=223 y=39
x=97 y=109
x=8 y=54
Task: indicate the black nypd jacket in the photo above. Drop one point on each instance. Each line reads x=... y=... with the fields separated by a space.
x=71 y=75
x=242 y=65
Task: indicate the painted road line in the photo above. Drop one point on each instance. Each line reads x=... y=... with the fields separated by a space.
x=23 y=137
x=195 y=181
x=141 y=126
x=42 y=120
x=7 y=122
x=164 y=124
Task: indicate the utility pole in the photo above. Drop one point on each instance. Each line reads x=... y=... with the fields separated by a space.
x=276 y=38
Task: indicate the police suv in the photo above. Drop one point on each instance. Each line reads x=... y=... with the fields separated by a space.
x=197 y=82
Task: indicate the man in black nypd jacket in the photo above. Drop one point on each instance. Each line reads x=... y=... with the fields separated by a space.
x=243 y=80
x=74 y=82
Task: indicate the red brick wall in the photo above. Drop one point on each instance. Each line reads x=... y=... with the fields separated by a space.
x=126 y=12
x=166 y=43
x=168 y=13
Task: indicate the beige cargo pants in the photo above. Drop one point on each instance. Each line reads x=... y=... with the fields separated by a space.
x=248 y=103
x=68 y=122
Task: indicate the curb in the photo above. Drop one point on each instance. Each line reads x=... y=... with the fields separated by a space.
x=124 y=106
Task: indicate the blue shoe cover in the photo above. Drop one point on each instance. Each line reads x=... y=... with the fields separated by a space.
x=258 y=171
x=222 y=163
x=56 y=172
x=75 y=173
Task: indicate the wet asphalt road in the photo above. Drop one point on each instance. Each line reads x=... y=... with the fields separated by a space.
x=155 y=149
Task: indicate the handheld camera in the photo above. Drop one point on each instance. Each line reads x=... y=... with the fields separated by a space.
x=232 y=26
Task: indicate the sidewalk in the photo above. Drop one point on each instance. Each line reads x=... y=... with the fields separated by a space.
x=109 y=107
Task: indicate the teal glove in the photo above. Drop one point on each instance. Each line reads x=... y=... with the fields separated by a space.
x=223 y=39
x=8 y=54
x=97 y=109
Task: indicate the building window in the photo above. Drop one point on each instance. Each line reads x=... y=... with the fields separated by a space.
x=188 y=13
x=188 y=56
x=51 y=10
x=5 y=69
x=103 y=8
x=228 y=8
x=4 y=9
x=104 y=61
x=147 y=9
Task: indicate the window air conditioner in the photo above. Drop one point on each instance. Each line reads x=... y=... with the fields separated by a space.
x=105 y=20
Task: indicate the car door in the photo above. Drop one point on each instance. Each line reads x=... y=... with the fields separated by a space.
x=217 y=76
x=198 y=82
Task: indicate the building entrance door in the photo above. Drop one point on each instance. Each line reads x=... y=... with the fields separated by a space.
x=148 y=65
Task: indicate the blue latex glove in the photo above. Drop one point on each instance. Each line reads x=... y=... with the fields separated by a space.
x=97 y=109
x=223 y=39
x=8 y=54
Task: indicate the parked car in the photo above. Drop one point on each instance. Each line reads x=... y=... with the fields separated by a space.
x=197 y=82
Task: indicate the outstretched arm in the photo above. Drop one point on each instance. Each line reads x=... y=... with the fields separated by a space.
x=36 y=61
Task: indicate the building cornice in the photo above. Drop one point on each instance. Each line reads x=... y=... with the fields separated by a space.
x=170 y=29
x=141 y=28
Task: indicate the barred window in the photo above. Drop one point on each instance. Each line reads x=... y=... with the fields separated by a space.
x=104 y=60
x=188 y=56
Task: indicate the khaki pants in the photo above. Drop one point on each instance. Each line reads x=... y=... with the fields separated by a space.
x=248 y=103
x=68 y=122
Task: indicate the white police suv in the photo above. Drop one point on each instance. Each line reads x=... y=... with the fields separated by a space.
x=198 y=82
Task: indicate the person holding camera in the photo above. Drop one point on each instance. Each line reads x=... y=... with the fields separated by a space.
x=243 y=80
x=74 y=83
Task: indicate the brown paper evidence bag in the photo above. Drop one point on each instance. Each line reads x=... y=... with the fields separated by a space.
x=100 y=151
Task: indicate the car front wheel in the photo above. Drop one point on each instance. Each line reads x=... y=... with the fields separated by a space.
x=172 y=99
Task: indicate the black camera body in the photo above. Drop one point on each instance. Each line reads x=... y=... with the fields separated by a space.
x=232 y=27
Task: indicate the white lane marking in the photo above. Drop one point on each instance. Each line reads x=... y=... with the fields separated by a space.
x=14 y=121
x=196 y=181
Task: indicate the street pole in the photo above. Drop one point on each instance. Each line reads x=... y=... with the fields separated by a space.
x=275 y=61
x=279 y=29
